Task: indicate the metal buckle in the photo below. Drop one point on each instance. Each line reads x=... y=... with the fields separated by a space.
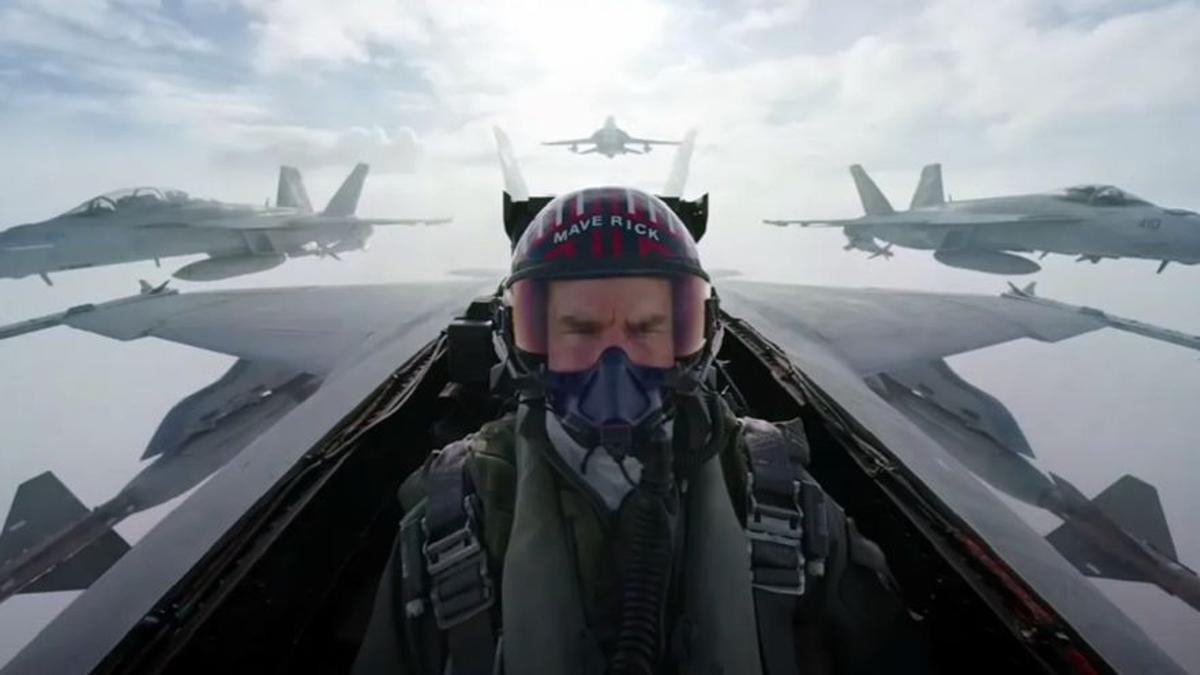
x=781 y=527
x=456 y=553
x=450 y=550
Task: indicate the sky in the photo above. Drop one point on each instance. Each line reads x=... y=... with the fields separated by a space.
x=211 y=96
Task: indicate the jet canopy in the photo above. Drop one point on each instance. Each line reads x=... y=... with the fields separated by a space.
x=1101 y=195
x=128 y=198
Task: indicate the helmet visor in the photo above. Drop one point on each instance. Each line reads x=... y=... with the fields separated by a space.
x=590 y=323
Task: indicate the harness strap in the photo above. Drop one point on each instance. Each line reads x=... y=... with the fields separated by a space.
x=419 y=633
x=461 y=592
x=785 y=521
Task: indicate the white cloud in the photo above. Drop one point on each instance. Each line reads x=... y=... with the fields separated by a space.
x=387 y=151
x=951 y=79
x=308 y=32
x=767 y=15
x=1026 y=75
x=98 y=29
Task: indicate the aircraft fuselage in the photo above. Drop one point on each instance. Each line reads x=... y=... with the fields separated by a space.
x=1093 y=232
x=219 y=230
x=611 y=140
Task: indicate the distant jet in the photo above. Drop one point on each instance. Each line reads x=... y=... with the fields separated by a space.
x=1091 y=222
x=149 y=223
x=610 y=141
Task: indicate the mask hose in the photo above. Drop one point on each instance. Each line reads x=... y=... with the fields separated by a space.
x=646 y=517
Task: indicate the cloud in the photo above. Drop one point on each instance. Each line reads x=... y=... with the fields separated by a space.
x=387 y=151
x=97 y=29
x=767 y=16
x=1025 y=74
x=315 y=32
x=325 y=85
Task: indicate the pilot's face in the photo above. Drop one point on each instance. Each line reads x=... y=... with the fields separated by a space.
x=587 y=316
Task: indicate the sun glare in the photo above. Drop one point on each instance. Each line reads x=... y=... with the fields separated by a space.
x=584 y=39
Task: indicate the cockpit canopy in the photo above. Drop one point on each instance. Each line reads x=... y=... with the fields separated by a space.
x=1101 y=195
x=128 y=198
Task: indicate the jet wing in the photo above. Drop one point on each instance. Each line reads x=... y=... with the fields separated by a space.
x=835 y=338
x=577 y=141
x=403 y=221
x=876 y=331
x=313 y=220
x=932 y=219
x=309 y=329
x=651 y=141
x=363 y=333
x=815 y=223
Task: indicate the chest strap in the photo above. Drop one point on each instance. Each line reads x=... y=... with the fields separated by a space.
x=453 y=579
x=787 y=535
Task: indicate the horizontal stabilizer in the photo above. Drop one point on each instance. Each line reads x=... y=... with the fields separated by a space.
x=1131 y=505
x=1073 y=543
x=345 y=200
x=83 y=568
x=873 y=201
x=291 y=193
x=929 y=188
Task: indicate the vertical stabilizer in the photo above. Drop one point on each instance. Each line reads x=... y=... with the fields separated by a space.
x=42 y=507
x=929 y=188
x=1133 y=504
x=514 y=182
x=1130 y=504
x=42 y=512
x=291 y=193
x=679 y=168
x=345 y=200
x=873 y=201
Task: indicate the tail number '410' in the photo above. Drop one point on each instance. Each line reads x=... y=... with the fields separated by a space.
x=1150 y=223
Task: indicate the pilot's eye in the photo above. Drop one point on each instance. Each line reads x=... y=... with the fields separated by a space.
x=578 y=327
x=648 y=327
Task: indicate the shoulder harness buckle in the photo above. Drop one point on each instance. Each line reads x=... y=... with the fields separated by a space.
x=775 y=535
x=775 y=520
x=460 y=585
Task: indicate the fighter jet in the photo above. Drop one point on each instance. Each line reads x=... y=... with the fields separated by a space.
x=610 y=141
x=149 y=223
x=1091 y=222
x=269 y=564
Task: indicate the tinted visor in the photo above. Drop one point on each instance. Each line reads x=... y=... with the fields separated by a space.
x=529 y=301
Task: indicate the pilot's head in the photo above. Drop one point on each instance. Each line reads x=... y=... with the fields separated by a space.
x=610 y=310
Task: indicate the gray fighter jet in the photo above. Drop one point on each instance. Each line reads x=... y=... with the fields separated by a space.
x=868 y=363
x=610 y=141
x=268 y=564
x=149 y=223
x=1091 y=222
